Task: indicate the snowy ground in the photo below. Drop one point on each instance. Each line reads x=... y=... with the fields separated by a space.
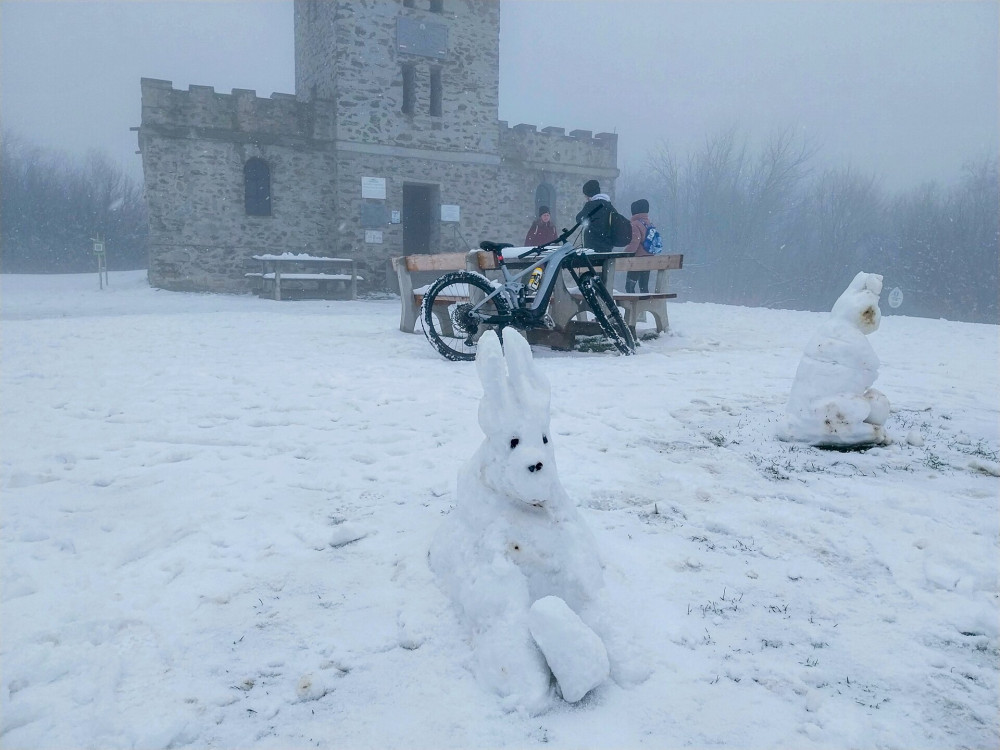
x=216 y=512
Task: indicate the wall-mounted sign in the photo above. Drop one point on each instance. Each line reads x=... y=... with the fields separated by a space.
x=373 y=187
x=373 y=237
x=395 y=218
x=450 y=213
x=373 y=215
x=895 y=297
x=423 y=38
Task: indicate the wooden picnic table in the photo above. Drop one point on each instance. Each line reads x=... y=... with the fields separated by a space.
x=302 y=275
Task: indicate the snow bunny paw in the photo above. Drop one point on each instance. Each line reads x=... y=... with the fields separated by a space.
x=575 y=653
x=515 y=556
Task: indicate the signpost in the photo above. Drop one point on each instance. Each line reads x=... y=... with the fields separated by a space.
x=102 y=262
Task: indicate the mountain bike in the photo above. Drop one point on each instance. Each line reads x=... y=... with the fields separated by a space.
x=460 y=306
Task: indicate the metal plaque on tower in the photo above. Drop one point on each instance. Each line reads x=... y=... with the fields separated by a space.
x=423 y=38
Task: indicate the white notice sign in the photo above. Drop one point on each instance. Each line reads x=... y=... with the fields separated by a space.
x=450 y=213
x=895 y=297
x=373 y=237
x=373 y=187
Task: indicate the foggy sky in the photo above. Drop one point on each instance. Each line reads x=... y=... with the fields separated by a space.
x=905 y=90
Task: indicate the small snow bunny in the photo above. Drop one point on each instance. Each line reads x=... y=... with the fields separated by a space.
x=833 y=403
x=515 y=556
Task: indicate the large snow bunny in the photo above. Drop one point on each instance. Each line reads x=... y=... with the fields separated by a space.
x=833 y=403
x=515 y=556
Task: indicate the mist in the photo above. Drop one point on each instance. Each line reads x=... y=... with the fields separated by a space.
x=906 y=90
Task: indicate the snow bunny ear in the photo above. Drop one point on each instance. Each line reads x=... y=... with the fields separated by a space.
x=528 y=383
x=512 y=385
x=858 y=305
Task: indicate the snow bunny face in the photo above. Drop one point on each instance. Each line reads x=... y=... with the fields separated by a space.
x=858 y=305
x=519 y=461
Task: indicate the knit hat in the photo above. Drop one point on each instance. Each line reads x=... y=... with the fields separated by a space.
x=543 y=210
x=591 y=188
x=640 y=206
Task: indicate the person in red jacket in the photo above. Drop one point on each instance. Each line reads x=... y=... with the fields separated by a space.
x=542 y=230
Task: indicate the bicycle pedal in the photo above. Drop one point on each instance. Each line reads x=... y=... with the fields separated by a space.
x=548 y=322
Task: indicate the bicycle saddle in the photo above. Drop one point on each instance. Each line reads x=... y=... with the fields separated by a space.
x=494 y=247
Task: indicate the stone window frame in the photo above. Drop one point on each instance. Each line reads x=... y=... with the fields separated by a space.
x=434 y=6
x=545 y=195
x=437 y=92
x=409 y=105
x=257 y=187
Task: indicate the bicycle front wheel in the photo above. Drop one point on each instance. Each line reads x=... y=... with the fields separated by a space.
x=607 y=313
x=447 y=317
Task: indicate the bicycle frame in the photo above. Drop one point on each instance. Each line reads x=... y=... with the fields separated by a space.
x=512 y=289
x=551 y=261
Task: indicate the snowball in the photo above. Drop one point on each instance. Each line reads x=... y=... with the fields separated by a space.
x=574 y=652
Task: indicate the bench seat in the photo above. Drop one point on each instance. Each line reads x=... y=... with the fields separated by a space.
x=306 y=277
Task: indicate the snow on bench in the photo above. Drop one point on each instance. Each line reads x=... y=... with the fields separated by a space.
x=288 y=274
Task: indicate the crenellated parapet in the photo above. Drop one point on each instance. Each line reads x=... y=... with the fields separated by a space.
x=552 y=147
x=202 y=112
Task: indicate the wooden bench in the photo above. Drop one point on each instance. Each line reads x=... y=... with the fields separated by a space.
x=291 y=276
x=637 y=304
x=410 y=296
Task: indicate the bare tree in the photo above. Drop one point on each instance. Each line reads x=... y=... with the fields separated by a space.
x=51 y=207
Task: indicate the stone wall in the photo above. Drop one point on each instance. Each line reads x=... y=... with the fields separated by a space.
x=469 y=185
x=194 y=145
x=531 y=156
x=347 y=52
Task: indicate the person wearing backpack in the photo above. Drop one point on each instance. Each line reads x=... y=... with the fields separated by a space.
x=646 y=240
x=599 y=235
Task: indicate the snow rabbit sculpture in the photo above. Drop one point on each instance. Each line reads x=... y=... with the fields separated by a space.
x=515 y=556
x=833 y=403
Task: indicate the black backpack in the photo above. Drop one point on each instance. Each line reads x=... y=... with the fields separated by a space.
x=620 y=228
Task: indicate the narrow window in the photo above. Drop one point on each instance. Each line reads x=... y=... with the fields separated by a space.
x=436 y=92
x=545 y=195
x=437 y=6
x=409 y=89
x=257 y=187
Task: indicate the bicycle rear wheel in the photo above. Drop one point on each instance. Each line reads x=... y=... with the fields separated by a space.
x=602 y=304
x=446 y=313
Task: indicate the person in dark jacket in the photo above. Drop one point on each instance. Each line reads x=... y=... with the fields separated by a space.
x=640 y=223
x=597 y=235
x=542 y=230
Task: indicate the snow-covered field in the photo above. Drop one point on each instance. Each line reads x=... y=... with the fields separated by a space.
x=216 y=513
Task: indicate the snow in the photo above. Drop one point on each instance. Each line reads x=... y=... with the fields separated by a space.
x=573 y=651
x=298 y=256
x=833 y=403
x=515 y=539
x=217 y=511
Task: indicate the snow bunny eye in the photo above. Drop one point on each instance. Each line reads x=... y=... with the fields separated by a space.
x=545 y=439
x=513 y=443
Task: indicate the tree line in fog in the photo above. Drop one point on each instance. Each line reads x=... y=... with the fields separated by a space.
x=765 y=227
x=758 y=225
x=51 y=206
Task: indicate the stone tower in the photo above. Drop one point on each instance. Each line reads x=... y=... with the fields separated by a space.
x=390 y=146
